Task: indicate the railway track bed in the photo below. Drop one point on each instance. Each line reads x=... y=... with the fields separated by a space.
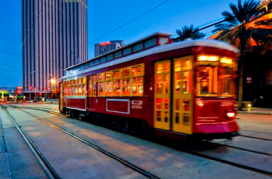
x=142 y=156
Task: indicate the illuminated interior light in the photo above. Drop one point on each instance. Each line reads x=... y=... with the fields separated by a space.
x=226 y=60
x=230 y=114
x=203 y=58
x=213 y=58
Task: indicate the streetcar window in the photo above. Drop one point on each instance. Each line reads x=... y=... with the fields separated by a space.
x=108 y=88
x=207 y=80
x=84 y=90
x=96 y=62
x=166 y=83
x=110 y=57
x=159 y=69
x=177 y=82
x=126 y=72
x=86 y=65
x=101 y=89
x=79 y=90
x=163 y=40
x=159 y=103
x=227 y=79
x=167 y=67
x=159 y=84
x=127 y=51
x=138 y=47
x=116 y=88
x=108 y=76
x=126 y=87
x=103 y=59
x=137 y=70
x=69 y=91
x=186 y=106
x=94 y=85
x=137 y=86
x=187 y=82
x=91 y=63
x=100 y=77
x=76 y=90
x=187 y=65
x=150 y=43
x=90 y=86
x=117 y=54
x=116 y=74
x=177 y=66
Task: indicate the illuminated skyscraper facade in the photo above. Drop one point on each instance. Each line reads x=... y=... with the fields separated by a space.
x=54 y=38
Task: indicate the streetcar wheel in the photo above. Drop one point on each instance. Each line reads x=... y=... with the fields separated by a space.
x=118 y=124
x=144 y=131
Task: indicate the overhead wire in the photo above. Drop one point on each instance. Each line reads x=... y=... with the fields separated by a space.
x=141 y=15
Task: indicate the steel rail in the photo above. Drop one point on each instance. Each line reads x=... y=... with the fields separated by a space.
x=189 y=150
x=255 y=137
x=109 y=154
x=46 y=166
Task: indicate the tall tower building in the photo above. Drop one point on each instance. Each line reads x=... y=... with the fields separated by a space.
x=54 y=38
x=105 y=47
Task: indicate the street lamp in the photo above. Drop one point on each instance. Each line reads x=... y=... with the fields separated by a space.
x=53 y=81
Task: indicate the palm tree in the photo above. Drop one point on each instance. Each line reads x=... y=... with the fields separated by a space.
x=188 y=32
x=240 y=28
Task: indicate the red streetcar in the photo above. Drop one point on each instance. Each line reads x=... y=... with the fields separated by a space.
x=183 y=88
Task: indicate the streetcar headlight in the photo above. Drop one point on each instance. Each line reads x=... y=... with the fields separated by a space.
x=230 y=114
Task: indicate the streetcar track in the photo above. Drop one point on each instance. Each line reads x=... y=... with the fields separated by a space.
x=46 y=166
x=187 y=150
x=239 y=148
x=258 y=132
x=247 y=136
x=109 y=154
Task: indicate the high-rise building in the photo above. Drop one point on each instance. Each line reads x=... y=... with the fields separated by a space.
x=54 y=38
x=105 y=47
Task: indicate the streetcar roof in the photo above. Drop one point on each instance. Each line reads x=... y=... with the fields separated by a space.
x=155 y=50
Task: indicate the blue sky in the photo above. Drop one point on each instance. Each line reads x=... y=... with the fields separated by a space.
x=104 y=16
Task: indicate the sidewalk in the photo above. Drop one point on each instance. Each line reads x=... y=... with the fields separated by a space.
x=261 y=111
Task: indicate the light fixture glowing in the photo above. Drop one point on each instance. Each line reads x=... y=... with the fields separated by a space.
x=203 y=58
x=230 y=114
x=53 y=81
x=208 y=58
x=226 y=60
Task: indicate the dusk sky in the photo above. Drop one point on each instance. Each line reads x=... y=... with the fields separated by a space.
x=104 y=16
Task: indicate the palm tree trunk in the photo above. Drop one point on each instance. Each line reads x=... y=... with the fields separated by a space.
x=241 y=74
x=240 y=86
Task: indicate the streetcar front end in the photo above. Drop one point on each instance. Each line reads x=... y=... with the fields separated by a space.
x=215 y=101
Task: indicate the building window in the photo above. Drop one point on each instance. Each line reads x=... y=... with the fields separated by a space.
x=138 y=47
x=127 y=51
x=150 y=43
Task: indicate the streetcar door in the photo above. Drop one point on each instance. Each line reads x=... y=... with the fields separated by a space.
x=61 y=96
x=162 y=95
x=183 y=95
